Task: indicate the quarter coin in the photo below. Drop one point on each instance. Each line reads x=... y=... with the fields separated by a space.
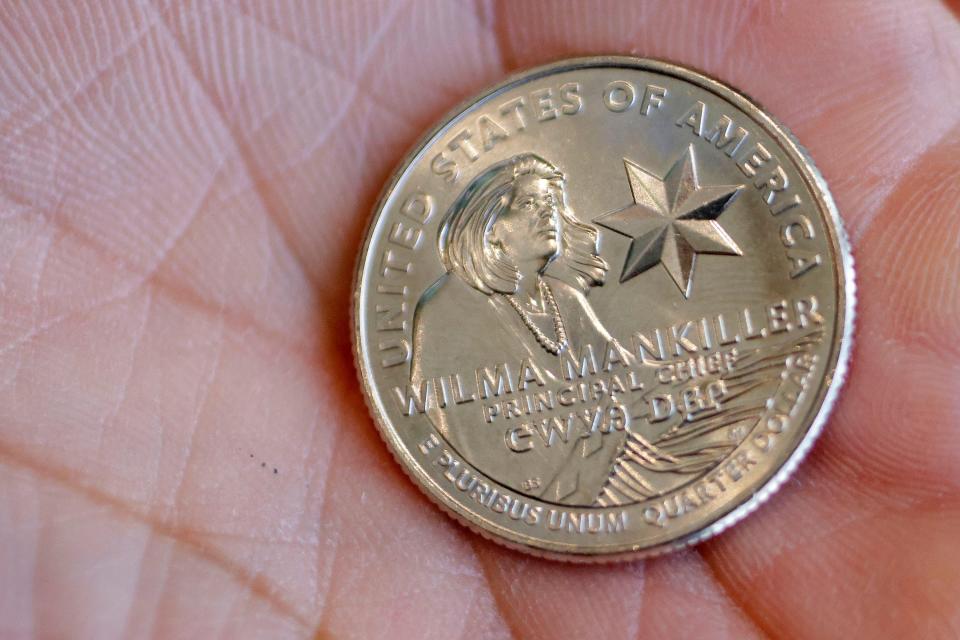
x=603 y=309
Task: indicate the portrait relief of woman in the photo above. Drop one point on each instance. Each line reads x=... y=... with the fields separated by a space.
x=496 y=242
x=518 y=266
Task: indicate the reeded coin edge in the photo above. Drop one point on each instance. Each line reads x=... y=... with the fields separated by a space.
x=828 y=391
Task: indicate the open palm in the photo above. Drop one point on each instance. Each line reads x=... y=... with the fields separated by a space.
x=184 y=450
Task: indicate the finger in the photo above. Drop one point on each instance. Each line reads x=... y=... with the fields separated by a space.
x=862 y=542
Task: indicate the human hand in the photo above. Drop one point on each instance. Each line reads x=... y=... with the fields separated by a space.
x=184 y=449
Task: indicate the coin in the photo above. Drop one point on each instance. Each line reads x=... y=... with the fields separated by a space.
x=603 y=309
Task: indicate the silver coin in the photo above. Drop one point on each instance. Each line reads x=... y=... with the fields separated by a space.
x=603 y=309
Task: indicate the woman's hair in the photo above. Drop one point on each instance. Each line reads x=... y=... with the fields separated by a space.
x=466 y=251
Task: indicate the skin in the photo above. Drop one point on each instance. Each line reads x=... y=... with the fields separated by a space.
x=184 y=187
x=529 y=232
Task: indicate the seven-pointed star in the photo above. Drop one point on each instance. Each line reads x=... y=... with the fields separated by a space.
x=671 y=220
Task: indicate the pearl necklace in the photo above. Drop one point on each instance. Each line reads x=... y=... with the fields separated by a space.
x=554 y=347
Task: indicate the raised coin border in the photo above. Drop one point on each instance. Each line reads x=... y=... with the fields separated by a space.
x=834 y=376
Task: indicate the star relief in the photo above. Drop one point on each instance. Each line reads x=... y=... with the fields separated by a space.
x=671 y=220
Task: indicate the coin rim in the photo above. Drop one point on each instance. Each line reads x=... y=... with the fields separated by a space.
x=833 y=379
